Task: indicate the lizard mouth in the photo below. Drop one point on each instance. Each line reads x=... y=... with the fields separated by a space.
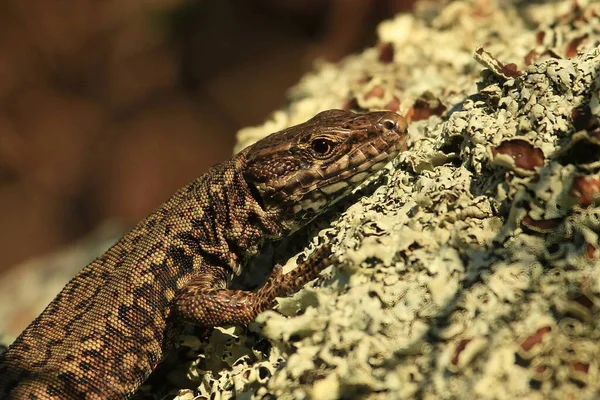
x=255 y=193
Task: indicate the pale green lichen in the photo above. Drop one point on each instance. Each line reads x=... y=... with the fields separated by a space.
x=472 y=271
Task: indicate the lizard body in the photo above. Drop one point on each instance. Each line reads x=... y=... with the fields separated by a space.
x=115 y=320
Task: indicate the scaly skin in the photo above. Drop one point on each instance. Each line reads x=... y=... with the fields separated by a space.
x=114 y=321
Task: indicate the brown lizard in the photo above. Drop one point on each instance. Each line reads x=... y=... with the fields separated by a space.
x=114 y=321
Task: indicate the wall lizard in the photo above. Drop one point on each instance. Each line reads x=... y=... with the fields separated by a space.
x=114 y=321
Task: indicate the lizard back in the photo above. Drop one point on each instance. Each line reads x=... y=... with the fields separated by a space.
x=112 y=319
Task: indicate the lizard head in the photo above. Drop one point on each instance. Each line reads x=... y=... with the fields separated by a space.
x=298 y=172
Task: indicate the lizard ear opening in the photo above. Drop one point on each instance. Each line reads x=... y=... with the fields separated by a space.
x=256 y=195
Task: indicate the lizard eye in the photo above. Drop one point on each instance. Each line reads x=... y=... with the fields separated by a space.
x=389 y=124
x=322 y=147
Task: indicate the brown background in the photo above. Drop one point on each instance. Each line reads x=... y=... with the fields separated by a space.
x=108 y=107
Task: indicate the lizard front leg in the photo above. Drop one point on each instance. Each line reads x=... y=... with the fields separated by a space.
x=201 y=304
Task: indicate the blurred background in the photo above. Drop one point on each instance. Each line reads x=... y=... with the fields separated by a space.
x=107 y=107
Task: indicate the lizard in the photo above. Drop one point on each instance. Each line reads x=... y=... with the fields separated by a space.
x=111 y=325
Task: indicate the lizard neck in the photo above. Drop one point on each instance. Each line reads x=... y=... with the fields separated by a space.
x=227 y=222
x=248 y=222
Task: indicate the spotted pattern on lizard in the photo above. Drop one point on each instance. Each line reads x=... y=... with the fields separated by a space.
x=115 y=320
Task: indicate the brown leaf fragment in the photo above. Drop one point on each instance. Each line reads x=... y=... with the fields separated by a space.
x=459 y=349
x=571 y=48
x=386 y=52
x=509 y=70
x=524 y=154
x=424 y=107
x=540 y=369
x=541 y=226
x=531 y=57
x=590 y=251
x=580 y=366
x=586 y=190
x=535 y=56
x=393 y=104
x=536 y=338
x=539 y=37
x=376 y=91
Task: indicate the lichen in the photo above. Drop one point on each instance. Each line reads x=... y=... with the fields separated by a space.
x=470 y=271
